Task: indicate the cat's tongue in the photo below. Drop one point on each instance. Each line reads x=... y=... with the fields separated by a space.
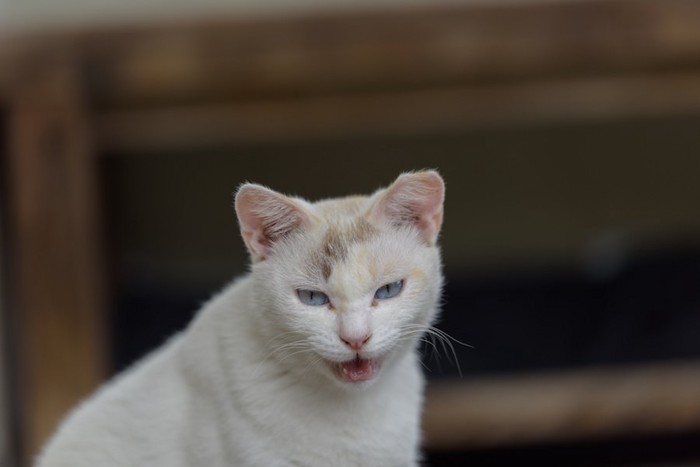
x=359 y=369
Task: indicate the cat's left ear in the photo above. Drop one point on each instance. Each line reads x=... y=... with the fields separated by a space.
x=265 y=216
x=413 y=199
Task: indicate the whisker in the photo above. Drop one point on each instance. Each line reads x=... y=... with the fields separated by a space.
x=433 y=333
x=299 y=345
x=446 y=343
x=310 y=365
x=453 y=339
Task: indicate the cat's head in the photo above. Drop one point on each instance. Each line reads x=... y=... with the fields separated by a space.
x=345 y=286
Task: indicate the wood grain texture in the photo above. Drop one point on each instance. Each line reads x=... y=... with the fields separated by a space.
x=54 y=235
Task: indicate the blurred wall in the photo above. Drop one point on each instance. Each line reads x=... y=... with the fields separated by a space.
x=516 y=197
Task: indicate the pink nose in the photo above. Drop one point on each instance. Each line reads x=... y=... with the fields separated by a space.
x=355 y=343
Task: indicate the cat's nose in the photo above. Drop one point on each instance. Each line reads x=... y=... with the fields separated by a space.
x=355 y=343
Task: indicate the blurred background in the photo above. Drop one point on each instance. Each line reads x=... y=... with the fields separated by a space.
x=568 y=133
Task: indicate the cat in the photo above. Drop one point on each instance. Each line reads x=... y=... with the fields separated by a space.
x=311 y=359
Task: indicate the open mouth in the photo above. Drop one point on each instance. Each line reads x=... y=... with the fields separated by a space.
x=357 y=370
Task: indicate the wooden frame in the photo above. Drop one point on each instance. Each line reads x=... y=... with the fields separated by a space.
x=74 y=95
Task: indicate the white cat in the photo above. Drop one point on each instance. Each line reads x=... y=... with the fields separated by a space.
x=309 y=360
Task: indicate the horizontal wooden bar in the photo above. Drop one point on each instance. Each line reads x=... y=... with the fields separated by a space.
x=576 y=405
x=191 y=127
x=407 y=48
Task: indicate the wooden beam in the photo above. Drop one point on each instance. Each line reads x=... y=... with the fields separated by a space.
x=54 y=236
x=193 y=127
x=409 y=48
x=574 y=405
x=374 y=51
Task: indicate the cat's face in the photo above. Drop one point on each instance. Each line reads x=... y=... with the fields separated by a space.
x=345 y=286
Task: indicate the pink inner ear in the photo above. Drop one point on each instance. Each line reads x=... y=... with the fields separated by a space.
x=417 y=199
x=264 y=217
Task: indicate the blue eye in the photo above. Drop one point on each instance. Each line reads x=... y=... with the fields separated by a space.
x=312 y=297
x=390 y=290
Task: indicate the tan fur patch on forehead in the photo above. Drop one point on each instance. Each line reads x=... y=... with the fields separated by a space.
x=337 y=242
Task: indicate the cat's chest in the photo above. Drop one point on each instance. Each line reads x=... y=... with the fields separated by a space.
x=376 y=441
x=379 y=428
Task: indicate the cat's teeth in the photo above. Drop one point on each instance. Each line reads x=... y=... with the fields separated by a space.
x=358 y=370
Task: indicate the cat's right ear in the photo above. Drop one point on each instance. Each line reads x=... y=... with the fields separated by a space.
x=415 y=198
x=265 y=216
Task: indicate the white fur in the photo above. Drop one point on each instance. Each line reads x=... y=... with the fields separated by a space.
x=248 y=383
